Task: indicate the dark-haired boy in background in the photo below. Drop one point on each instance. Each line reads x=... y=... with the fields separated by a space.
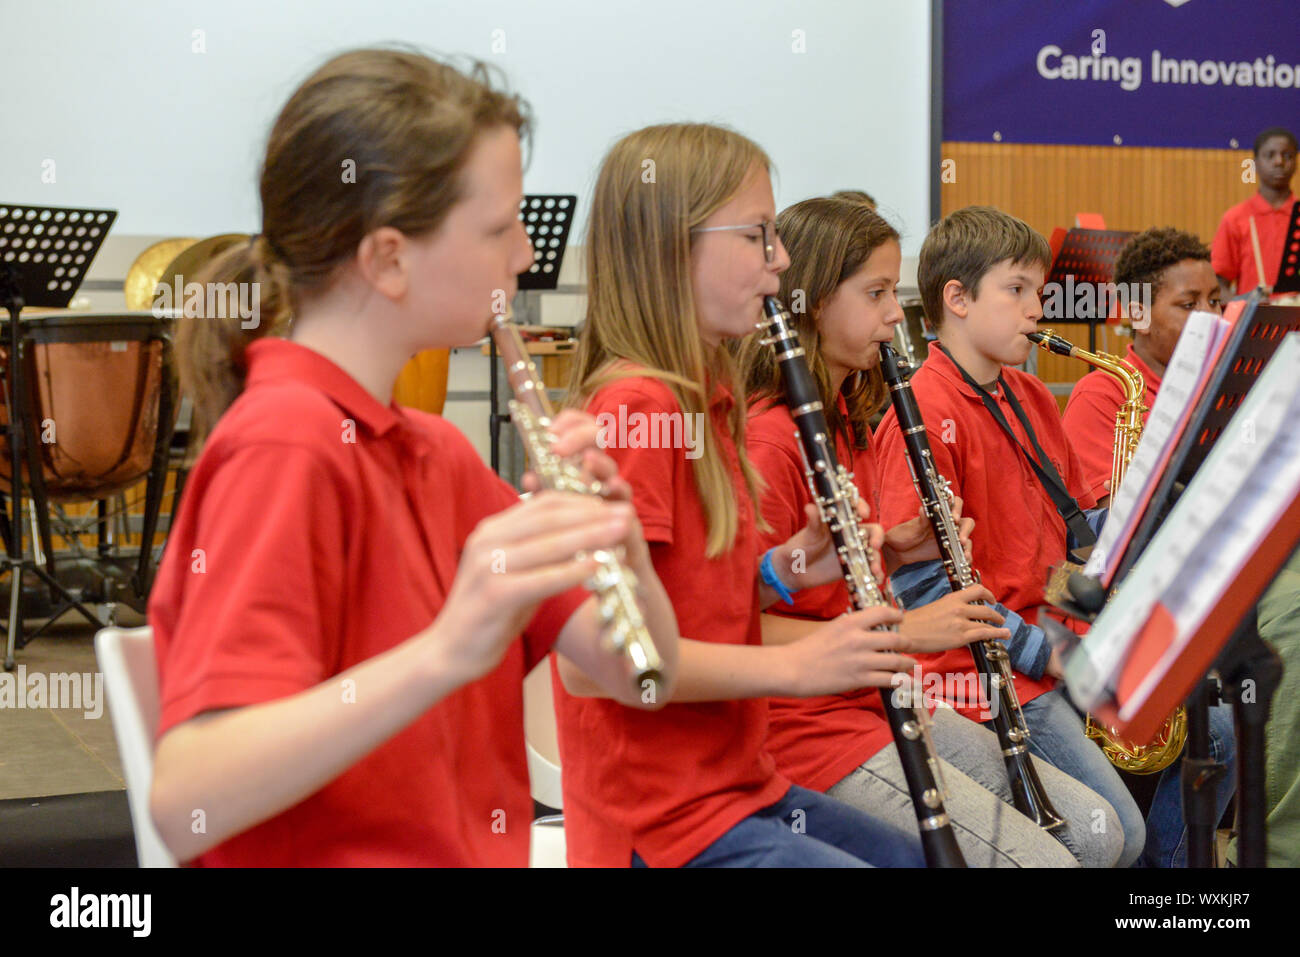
x=1269 y=210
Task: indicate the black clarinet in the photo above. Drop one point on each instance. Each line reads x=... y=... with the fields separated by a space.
x=991 y=659
x=836 y=497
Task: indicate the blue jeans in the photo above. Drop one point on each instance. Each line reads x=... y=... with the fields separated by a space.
x=1166 y=828
x=807 y=829
x=1056 y=736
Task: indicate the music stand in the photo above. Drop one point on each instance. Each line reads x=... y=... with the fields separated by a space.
x=1288 y=270
x=1244 y=660
x=1251 y=343
x=45 y=252
x=548 y=220
x=1228 y=641
x=1089 y=256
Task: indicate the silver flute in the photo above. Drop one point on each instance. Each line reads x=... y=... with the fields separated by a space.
x=614 y=585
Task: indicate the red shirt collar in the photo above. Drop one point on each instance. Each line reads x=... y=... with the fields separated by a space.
x=758 y=408
x=1148 y=376
x=1259 y=205
x=944 y=366
x=721 y=398
x=274 y=359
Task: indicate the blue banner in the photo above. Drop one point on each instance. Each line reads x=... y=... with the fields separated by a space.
x=1189 y=73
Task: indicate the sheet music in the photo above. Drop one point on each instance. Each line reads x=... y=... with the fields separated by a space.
x=1260 y=499
x=1187 y=371
x=1250 y=476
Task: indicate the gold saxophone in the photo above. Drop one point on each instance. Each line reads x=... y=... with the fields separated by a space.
x=1164 y=749
x=613 y=584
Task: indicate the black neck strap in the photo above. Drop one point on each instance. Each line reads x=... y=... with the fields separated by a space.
x=1042 y=465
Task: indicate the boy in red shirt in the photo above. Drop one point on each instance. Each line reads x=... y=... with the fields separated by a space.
x=844 y=270
x=979 y=274
x=1270 y=211
x=1176 y=266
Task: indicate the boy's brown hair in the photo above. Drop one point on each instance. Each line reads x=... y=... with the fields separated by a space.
x=965 y=245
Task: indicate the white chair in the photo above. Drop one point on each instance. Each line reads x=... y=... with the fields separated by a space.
x=131 y=679
x=547 y=845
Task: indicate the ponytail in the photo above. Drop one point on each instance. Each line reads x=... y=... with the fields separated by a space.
x=210 y=348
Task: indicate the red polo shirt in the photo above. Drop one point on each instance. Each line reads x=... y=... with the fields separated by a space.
x=318 y=529
x=1233 y=256
x=1089 y=419
x=816 y=742
x=669 y=783
x=1018 y=533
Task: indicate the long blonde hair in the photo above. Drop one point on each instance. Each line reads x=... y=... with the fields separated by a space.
x=655 y=186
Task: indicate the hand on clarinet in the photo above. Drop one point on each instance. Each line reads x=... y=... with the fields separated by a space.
x=845 y=654
x=1055 y=665
x=512 y=561
x=913 y=541
x=953 y=621
x=808 y=558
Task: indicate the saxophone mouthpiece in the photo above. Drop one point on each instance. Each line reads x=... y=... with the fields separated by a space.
x=1050 y=341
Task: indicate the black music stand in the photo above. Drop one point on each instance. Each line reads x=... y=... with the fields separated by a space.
x=1251 y=344
x=1288 y=270
x=1089 y=256
x=1251 y=672
x=548 y=220
x=1245 y=660
x=45 y=252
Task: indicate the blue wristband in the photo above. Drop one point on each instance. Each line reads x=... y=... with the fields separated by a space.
x=770 y=578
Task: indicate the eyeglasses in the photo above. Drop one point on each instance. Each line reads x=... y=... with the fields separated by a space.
x=770 y=235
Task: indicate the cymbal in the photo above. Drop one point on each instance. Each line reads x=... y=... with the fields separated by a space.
x=148 y=268
x=190 y=260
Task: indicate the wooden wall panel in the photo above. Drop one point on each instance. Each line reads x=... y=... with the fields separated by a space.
x=1134 y=188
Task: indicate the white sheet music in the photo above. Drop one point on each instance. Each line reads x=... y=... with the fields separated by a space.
x=1188 y=368
x=1236 y=498
x=1265 y=489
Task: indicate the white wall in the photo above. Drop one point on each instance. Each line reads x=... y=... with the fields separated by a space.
x=135 y=120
